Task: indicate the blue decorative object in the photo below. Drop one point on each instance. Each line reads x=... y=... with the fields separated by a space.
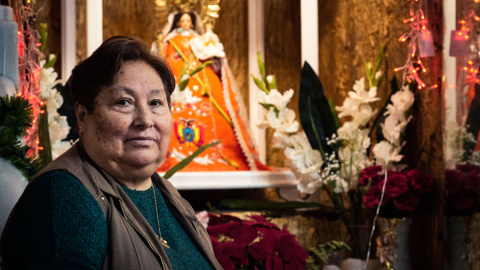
x=8 y=45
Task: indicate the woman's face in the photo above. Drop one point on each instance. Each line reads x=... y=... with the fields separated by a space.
x=185 y=22
x=128 y=132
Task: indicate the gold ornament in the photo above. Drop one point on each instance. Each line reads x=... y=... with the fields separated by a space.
x=206 y=9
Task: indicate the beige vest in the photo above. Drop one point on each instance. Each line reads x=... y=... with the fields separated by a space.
x=132 y=242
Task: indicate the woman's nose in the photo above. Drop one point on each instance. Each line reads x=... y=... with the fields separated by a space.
x=143 y=117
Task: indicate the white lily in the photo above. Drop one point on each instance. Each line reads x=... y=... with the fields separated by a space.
x=284 y=121
x=275 y=98
x=385 y=154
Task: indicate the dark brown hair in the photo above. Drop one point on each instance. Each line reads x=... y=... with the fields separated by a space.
x=99 y=70
x=179 y=15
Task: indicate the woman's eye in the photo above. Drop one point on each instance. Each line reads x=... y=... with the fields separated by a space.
x=156 y=103
x=123 y=102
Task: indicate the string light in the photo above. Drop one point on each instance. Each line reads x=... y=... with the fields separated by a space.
x=418 y=30
x=29 y=69
x=468 y=24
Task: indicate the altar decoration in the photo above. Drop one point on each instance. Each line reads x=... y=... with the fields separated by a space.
x=326 y=155
x=8 y=52
x=394 y=190
x=207 y=106
x=253 y=243
x=462 y=191
x=55 y=125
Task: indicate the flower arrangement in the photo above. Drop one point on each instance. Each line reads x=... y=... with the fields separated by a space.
x=462 y=175
x=253 y=243
x=402 y=193
x=336 y=157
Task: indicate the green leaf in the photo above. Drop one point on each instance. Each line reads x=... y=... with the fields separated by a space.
x=43 y=36
x=334 y=112
x=50 y=62
x=44 y=138
x=368 y=71
x=272 y=84
x=260 y=84
x=316 y=117
x=183 y=84
x=236 y=204
x=379 y=58
x=184 y=70
x=199 y=68
x=182 y=164
x=261 y=67
x=377 y=81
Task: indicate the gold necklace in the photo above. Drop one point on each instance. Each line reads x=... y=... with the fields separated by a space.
x=163 y=241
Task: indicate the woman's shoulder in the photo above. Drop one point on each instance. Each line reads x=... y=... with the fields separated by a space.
x=57 y=216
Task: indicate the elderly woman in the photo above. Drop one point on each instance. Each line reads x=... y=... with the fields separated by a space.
x=101 y=205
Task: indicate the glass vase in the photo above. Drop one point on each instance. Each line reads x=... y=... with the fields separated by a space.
x=392 y=243
x=459 y=243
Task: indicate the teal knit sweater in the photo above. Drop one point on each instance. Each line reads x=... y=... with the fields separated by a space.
x=59 y=225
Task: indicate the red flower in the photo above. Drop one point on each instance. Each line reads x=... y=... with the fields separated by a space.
x=279 y=250
x=420 y=181
x=229 y=254
x=407 y=201
x=372 y=197
x=397 y=183
x=370 y=173
x=238 y=241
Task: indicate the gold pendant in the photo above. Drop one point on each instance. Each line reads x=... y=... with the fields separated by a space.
x=164 y=242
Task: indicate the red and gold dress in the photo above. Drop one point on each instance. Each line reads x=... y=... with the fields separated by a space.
x=207 y=110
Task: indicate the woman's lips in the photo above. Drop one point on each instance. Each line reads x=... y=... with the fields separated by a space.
x=141 y=141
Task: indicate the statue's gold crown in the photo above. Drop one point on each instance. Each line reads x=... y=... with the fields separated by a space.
x=206 y=9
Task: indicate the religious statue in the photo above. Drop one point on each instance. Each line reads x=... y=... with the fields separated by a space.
x=209 y=108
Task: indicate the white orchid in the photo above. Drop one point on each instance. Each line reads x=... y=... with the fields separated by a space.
x=357 y=104
x=403 y=99
x=275 y=98
x=284 y=121
x=361 y=94
x=385 y=154
x=57 y=125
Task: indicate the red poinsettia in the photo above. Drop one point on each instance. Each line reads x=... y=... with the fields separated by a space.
x=403 y=190
x=462 y=187
x=255 y=242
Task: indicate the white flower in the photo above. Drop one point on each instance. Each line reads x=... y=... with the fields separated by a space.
x=393 y=128
x=207 y=46
x=270 y=78
x=361 y=94
x=177 y=155
x=402 y=100
x=185 y=96
x=284 y=121
x=275 y=98
x=205 y=160
x=309 y=185
x=48 y=76
x=385 y=154
x=357 y=105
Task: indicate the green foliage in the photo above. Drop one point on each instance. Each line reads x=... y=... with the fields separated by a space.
x=182 y=164
x=320 y=254
x=262 y=82
x=16 y=117
x=316 y=117
x=183 y=83
x=371 y=70
x=44 y=138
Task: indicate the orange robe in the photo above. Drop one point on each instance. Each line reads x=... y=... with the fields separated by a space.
x=213 y=116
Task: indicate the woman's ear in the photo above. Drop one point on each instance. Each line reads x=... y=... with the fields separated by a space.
x=81 y=114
